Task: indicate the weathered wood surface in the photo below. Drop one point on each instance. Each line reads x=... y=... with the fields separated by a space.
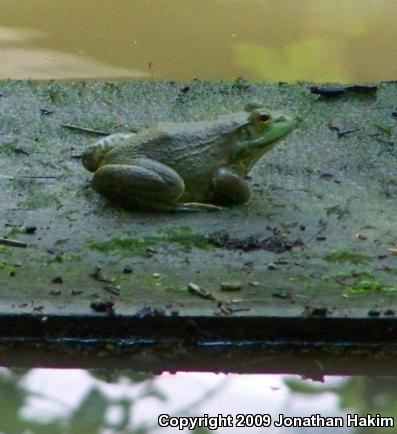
x=325 y=205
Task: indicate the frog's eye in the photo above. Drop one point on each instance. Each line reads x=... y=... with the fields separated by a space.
x=264 y=118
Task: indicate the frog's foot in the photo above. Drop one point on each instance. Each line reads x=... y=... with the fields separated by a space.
x=229 y=187
x=196 y=206
x=142 y=184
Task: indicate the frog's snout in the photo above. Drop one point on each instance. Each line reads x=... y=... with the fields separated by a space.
x=285 y=120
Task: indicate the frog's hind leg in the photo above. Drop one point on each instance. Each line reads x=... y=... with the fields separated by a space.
x=142 y=183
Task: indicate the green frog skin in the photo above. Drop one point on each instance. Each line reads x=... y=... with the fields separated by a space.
x=188 y=165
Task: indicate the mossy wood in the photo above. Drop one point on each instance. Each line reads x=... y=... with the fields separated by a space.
x=309 y=261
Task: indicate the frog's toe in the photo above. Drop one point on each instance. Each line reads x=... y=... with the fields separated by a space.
x=196 y=206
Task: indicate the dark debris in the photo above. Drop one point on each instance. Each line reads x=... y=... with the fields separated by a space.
x=368 y=89
x=147 y=311
x=283 y=295
x=389 y=312
x=341 y=126
x=321 y=312
x=327 y=175
x=374 y=313
x=102 y=306
x=336 y=91
x=329 y=91
x=46 y=112
x=275 y=243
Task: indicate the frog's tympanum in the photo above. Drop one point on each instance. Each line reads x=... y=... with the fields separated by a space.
x=185 y=166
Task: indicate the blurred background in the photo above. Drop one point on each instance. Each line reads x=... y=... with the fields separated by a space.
x=283 y=40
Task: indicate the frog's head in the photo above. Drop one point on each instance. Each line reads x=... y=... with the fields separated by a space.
x=259 y=133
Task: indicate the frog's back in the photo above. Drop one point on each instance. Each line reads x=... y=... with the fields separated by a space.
x=189 y=148
x=190 y=143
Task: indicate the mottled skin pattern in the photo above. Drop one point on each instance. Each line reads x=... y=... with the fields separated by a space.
x=181 y=166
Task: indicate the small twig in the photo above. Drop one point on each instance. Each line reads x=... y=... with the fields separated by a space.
x=199 y=292
x=97 y=275
x=225 y=310
x=6 y=177
x=40 y=177
x=323 y=227
x=338 y=281
x=12 y=243
x=241 y=309
x=112 y=289
x=150 y=70
x=85 y=130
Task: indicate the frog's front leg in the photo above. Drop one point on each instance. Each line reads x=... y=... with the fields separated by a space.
x=229 y=186
x=142 y=183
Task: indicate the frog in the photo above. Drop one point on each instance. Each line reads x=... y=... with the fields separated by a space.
x=186 y=166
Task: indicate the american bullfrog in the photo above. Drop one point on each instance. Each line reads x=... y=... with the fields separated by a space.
x=188 y=165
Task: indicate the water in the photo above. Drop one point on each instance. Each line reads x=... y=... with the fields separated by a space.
x=283 y=40
x=78 y=401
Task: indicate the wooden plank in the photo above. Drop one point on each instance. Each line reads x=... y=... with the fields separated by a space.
x=311 y=255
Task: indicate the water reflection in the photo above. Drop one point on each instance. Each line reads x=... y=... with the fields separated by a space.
x=40 y=63
x=260 y=39
x=66 y=401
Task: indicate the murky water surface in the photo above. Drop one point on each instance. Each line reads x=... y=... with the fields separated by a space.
x=78 y=401
x=281 y=40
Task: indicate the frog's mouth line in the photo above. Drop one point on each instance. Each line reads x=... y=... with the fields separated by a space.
x=260 y=146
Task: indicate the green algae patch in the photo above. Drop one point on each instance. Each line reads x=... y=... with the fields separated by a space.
x=362 y=282
x=338 y=210
x=5 y=250
x=5 y=265
x=41 y=200
x=348 y=256
x=139 y=245
x=8 y=268
x=186 y=237
x=177 y=288
x=64 y=257
x=370 y=285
